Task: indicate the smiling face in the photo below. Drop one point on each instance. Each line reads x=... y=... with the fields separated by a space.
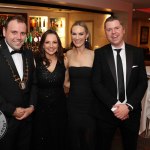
x=15 y=34
x=50 y=44
x=78 y=35
x=115 y=32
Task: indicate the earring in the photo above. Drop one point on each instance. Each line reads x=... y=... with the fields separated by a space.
x=86 y=40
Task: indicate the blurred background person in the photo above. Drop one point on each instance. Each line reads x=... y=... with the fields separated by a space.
x=49 y=127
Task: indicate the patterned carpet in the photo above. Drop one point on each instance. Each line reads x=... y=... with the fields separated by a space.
x=143 y=143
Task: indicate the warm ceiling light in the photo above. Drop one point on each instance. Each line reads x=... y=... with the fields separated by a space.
x=147 y=10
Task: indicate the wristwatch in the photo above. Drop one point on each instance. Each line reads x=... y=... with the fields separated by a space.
x=32 y=106
x=129 y=107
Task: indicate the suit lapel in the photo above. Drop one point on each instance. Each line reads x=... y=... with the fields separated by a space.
x=5 y=52
x=110 y=57
x=24 y=61
x=129 y=62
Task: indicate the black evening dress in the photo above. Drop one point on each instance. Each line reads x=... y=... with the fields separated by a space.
x=81 y=124
x=49 y=127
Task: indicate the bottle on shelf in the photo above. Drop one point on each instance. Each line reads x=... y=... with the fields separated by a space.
x=44 y=23
x=39 y=22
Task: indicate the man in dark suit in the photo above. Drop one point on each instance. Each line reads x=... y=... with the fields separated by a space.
x=17 y=88
x=118 y=101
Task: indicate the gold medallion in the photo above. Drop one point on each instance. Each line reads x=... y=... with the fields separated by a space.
x=22 y=85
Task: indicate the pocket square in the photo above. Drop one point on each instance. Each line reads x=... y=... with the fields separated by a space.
x=134 y=66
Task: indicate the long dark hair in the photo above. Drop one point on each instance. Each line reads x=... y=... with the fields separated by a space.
x=59 y=53
x=87 y=41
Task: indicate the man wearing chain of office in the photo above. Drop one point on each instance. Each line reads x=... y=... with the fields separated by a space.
x=17 y=85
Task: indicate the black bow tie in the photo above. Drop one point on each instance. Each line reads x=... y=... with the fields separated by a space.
x=16 y=51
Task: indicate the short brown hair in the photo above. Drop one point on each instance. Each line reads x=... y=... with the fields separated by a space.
x=19 y=18
x=112 y=18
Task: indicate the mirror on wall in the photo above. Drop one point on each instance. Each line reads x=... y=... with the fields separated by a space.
x=59 y=25
x=38 y=23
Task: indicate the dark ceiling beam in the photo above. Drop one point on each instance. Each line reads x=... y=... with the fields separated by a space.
x=54 y=6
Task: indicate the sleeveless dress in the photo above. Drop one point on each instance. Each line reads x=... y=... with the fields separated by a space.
x=50 y=115
x=81 y=124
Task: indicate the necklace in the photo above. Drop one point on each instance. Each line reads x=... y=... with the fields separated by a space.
x=21 y=83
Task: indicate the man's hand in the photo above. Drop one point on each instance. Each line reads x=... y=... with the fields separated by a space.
x=27 y=112
x=19 y=112
x=121 y=111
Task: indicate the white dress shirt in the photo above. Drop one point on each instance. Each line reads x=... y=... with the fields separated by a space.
x=17 y=58
x=123 y=58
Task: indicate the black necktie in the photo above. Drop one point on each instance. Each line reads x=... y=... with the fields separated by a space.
x=16 y=51
x=120 y=77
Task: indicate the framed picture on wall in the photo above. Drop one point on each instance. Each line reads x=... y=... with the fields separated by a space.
x=144 y=36
x=59 y=25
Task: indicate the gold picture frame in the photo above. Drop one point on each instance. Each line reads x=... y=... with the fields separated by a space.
x=144 y=36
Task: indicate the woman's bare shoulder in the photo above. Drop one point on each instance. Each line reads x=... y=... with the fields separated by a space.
x=69 y=52
x=91 y=52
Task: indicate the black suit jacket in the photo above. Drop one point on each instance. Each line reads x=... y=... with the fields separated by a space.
x=104 y=81
x=11 y=96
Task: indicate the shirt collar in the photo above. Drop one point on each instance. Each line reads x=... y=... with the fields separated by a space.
x=122 y=47
x=9 y=48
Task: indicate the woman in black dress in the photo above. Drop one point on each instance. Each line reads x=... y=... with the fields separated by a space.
x=80 y=61
x=49 y=128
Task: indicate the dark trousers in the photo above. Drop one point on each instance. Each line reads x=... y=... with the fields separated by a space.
x=17 y=136
x=106 y=130
x=81 y=138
